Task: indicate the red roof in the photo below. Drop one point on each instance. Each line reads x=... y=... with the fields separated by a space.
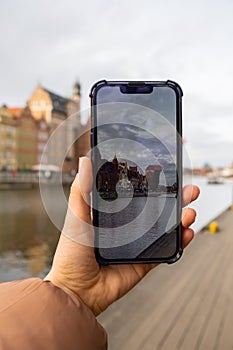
x=133 y=168
x=15 y=111
x=154 y=167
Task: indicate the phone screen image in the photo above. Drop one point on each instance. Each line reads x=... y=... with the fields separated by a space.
x=136 y=154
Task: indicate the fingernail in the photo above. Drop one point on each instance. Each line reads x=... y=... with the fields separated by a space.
x=80 y=161
x=75 y=182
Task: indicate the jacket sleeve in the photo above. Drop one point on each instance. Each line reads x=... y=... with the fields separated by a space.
x=35 y=314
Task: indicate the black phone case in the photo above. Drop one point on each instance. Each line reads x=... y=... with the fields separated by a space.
x=93 y=138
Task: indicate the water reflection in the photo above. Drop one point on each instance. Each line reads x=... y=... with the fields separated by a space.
x=27 y=236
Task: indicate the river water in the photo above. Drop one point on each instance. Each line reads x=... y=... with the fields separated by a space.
x=213 y=200
x=28 y=238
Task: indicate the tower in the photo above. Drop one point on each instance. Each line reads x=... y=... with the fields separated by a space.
x=115 y=163
x=76 y=92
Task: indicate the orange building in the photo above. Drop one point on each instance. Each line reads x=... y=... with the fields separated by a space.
x=54 y=110
x=152 y=176
x=43 y=131
x=26 y=139
x=24 y=132
x=8 y=140
x=32 y=136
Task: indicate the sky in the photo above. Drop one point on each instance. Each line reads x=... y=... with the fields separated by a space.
x=54 y=43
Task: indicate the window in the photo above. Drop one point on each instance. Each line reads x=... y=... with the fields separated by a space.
x=9 y=142
x=40 y=146
x=42 y=136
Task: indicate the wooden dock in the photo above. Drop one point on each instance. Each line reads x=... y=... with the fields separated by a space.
x=185 y=306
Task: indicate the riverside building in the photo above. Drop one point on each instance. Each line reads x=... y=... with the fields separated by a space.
x=8 y=140
x=54 y=110
x=24 y=132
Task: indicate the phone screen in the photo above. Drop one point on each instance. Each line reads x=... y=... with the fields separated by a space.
x=137 y=172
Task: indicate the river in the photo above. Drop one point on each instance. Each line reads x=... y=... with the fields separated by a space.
x=213 y=200
x=28 y=238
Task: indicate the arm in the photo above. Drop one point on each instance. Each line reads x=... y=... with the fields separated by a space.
x=35 y=314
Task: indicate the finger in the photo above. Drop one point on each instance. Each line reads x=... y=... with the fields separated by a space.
x=188 y=217
x=135 y=272
x=78 y=224
x=187 y=236
x=79 y=198
x=190 y=193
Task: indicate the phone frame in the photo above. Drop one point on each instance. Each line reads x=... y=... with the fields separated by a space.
x=93 y=140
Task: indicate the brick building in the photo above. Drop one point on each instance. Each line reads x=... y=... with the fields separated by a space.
x=24 y=132
x=26 y=139
x=152 y=176
x=43 y=131
x=8 y=140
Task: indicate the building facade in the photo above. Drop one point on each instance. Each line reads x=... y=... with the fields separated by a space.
x=43 y=132
x=152 y=176
x=26 y=140
x=64 y=147
x=25 y=132
x=8 y=140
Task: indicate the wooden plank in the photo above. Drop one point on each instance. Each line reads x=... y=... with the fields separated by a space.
x=224 y=336
x=207 y=296
x=191 y=309
x=188 y=305
x=149 y=312
x=215 y=319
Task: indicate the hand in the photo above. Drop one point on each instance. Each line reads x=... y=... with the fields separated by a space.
x=75 y=268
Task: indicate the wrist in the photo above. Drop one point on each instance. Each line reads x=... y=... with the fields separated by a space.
x=50 y=277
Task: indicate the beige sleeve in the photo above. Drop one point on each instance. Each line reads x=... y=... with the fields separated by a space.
x=35 y=314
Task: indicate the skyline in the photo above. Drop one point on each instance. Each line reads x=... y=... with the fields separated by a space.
x=55 y=44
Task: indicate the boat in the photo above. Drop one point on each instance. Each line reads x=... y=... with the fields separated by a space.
x=215 y=180
x=108 y=195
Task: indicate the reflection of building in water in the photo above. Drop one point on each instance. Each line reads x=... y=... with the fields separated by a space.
x=152 y=175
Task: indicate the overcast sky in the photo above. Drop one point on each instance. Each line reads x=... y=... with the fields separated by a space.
x=56 y=42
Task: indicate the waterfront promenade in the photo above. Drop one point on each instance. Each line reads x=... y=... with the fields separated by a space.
x=29 y=179
x=185 y=306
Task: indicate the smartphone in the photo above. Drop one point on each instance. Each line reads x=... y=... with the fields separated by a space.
x=136 y=141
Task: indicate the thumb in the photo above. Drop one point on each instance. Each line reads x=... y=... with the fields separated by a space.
x=79 y=199
x=78 y=224
x=75 y=251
